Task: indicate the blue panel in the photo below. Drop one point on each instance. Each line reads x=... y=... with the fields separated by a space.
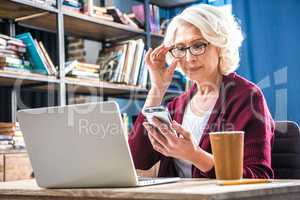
x=270 y=55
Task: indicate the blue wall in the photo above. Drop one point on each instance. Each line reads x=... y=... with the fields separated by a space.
x=271 y=52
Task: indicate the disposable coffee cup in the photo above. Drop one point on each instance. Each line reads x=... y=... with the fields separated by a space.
x=228 y=153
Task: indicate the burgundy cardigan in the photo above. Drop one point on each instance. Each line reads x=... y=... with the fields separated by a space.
x=240 y=106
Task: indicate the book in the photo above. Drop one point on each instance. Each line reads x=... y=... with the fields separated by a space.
x=5 y=137
x=98 y=12
x=15 y=42
x=48 y=59
x=129 y=60
x=3 y=42
x=16 y=69
x=72 y=3
x=7 y=124
x=139 y=13
x=6 y=147
x=35 y=57
x=137 y=61
x=116 y=14
x=70 y=65
x=6 y=142
x=88 y=65
x=82 y=70
x=49 y=72
x=143 y=74
x=8 y=129
x=111 y=60
x=10 y=60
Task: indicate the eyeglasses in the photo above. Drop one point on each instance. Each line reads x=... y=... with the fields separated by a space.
x=196 y=49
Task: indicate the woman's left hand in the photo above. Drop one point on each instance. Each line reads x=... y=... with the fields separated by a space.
x=177 y=143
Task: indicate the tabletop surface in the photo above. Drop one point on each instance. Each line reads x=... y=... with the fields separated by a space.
x=186 y=188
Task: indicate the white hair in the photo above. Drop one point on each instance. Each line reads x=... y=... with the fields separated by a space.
x=218 y=26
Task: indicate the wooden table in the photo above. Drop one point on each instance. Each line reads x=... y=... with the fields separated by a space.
x=186 y=189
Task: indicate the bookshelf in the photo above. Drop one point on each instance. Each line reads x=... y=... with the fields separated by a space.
x=63 y=22
x=14 y=9
x=102 y=87
x=11 y=78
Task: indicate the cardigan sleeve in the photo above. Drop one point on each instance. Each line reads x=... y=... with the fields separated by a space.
x=143 y=154
x=259 y=134
x=252 y=116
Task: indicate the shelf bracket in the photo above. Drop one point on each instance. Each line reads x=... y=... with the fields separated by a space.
x=61 y=52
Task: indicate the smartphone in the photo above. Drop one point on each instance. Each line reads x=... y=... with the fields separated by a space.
x=160 y=112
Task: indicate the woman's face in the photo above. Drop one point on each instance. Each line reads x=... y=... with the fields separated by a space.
x=196 y=67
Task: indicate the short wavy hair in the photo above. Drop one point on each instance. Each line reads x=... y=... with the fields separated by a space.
x=218 y=26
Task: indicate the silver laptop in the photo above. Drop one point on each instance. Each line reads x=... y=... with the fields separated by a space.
x=82 y=145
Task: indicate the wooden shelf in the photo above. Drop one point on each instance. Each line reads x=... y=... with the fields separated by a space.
x=13 y=151
x=14 y=9
x=92 y=86
x=84 y=26
x=18 y=78
x=91 y=27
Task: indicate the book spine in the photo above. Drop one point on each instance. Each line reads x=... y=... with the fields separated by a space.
x=42 y=57
x=53 y=69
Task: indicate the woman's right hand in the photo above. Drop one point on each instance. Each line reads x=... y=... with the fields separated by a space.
x=160 y=76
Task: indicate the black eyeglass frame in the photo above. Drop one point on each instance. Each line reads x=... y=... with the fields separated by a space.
x=205 y=44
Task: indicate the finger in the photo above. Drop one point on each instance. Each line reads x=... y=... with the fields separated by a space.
x=158 y=123
x=168 y=132
x=172 y=66
x=157 y=49
x=162 y=51
x=166 y=49
x=147 y=56
x=160 y=149
x=156 y=146
x=148 y=128
x=180 y=130
x=155 y=135
x=161 y=54
x=154 y=52
x=151 y=139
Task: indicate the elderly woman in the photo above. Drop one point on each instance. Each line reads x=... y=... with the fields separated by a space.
x=203 y=41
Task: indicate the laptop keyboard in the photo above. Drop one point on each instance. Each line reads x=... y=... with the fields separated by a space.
x=151 y=181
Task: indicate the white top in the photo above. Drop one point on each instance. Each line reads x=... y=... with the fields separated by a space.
x=195 y=125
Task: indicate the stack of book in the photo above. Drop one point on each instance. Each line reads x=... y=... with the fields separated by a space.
x=110 y=13
x=139 y=13
x=11 y=136
x=97 y=12
x=38 y=56
x=123 y=63
x=46 y=2
x=12 y=54
x=82 y=70
x=73 y=5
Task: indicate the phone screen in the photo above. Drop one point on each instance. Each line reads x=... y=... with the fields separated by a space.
x=160 y=112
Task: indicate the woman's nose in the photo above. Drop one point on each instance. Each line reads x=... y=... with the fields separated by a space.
x=189 y=57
